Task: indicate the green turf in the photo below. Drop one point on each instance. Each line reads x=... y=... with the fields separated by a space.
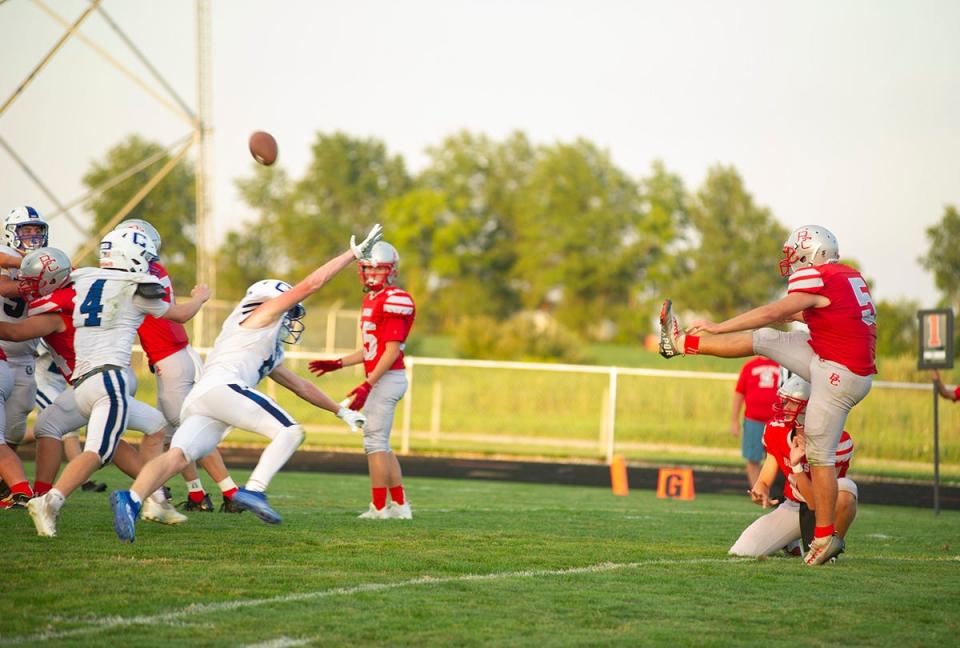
x=482 y=563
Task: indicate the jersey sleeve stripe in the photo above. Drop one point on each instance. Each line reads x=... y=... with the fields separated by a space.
x=399 y=310
x=805 y=273
x=804 y=284
x=402 y=300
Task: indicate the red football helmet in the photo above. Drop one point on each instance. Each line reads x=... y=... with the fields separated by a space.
x=379 y=269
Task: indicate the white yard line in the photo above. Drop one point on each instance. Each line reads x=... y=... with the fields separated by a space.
x=97 y=625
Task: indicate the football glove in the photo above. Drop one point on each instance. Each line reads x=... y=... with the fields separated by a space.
x=356 y=420
x=320 y=367
x=362 y=250
x=360 y=393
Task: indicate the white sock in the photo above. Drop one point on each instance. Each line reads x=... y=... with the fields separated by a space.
x=56 y=499
x=226 y=484
x=158 y=497
x=195 y=485
x=135 y=497
x=276 y=454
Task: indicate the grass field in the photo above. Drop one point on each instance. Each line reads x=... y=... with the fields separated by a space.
x=481 y=563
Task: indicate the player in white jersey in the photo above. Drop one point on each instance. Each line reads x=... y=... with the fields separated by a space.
x=111 y=303
x=248 y=349
x=24 y=230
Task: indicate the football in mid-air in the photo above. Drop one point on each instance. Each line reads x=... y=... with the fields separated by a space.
x=263 y=148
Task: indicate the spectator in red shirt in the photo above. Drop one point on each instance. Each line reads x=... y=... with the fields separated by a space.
x=757 y=390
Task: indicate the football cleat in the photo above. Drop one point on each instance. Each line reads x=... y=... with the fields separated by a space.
x=163 y=513
x=256 y=503
x=94 y=486
x=671 y=337
x=14 y=501
x=400 y=511
x=229 y=506
x=44 y=517
x=125 y=513
x=204 y=505
x=824 y=550
x=373 y=513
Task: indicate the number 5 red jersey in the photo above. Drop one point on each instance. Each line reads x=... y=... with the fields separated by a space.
x=387 y=316
x=845 y=331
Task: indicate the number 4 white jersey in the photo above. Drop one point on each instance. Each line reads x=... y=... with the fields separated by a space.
x=107 y=312
x=14 y=309
x=242 y=356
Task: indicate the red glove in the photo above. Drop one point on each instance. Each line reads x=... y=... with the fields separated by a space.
x=360 y=394
x=321 y=367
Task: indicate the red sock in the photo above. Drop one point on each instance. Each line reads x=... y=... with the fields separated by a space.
x=691 y=344
x=230 y=492
x=40 y=488
x=196 y=496
x=379 y=497
x=396 y=494
x=22 y=487
x=823 y=531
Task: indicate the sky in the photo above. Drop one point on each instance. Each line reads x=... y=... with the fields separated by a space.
x=845 y=114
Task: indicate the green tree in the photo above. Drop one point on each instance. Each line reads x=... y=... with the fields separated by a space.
x=896 y=328
x=170 y=206
x=733 y=266
x=943 y=256
x=303 y=223
x=464 y=227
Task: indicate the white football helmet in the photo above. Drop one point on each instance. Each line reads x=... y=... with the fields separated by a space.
x=17 y=218
x=793 y=395
x=292 y=321
x=382 y=257
x=140 y=225
x=127 y=250
x=43 y=271
x=810 y=245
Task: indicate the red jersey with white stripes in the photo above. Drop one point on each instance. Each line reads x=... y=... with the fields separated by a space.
x=387 y=316
x=845 y=331
x=160 y=337
x=60 y=344
x=777 y=438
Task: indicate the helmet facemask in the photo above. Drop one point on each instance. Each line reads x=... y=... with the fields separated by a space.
x=33 y=240
x=376 y=276
x=292 y=325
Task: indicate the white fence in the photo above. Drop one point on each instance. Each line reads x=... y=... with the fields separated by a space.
x=606 y=440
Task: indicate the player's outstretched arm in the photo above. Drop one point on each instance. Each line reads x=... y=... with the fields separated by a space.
x=184 y=311
x=272 y=309
x=9 y=288
x=320 y=367
x=8 y=260
x=303 y=388
x=32 y=327
x=778 y=311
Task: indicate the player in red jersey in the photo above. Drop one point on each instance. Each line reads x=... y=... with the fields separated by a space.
x=837 y=355
x=783 y=440
x=756 y=395
x=385 y=322
x=177 y=367
x=950 y=392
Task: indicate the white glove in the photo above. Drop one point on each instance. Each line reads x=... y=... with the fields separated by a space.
x=356 y=420
x=363 y=249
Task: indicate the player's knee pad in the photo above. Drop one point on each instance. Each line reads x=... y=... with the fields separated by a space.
x=375 y=441
x=847 y=485
x=292 y=435
x=46 y=427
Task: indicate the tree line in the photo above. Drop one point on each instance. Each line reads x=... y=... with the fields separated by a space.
x=491 y=230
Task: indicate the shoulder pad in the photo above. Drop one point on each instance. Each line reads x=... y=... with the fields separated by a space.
x=6 y=249
x=151 y=290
